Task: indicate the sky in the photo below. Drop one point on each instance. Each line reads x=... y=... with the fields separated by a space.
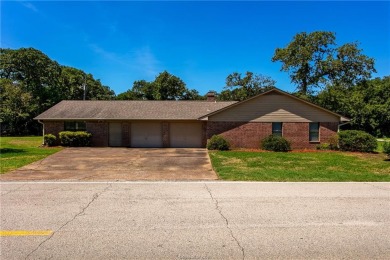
x=201 y=42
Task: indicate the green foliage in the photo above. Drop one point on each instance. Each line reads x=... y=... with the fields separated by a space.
x=72 y=81
x=165 y=87
x=356 y=141
x=75 y=139
x=323 y=146
x=31 y=82
x=275 y=143
x=334 y=142
x=239 y=88
x=386 y=148
x=313 y=60
x=217 y=142
x=16 y=107
x=49 y=139
x=367 y=104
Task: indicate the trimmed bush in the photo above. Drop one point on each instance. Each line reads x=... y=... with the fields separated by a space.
x=386 y=148
x=275 y=143
x=75 y=139
x=217 y=142
x=356 y=141
x=49 y=139
x=334 y=142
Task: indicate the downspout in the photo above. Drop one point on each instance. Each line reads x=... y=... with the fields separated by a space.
x=338 y=127
x=43 y=131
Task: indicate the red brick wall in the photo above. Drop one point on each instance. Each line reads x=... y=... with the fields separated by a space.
x=327 y=131
x=240 y=134
x=54 y=127
x=204 y=134
x=126 y=134
x=298 y=135
x=99 y=131
x=165 y=134
x=249 y=134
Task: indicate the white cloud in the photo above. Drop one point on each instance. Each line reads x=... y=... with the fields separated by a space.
x=146 y=63
x=29 y=5
x=140 y=62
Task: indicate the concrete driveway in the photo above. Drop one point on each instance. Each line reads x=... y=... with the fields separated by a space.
x=110 y=164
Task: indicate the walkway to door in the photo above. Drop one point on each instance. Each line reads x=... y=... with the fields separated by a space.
x=108 y=164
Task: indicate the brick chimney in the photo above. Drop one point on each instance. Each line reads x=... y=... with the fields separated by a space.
x=211 y=96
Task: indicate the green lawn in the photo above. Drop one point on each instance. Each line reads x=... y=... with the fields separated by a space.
x=381 y=141
x=16 y=152
x=300 y=166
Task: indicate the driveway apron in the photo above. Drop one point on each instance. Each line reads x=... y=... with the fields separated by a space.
x=121 y=164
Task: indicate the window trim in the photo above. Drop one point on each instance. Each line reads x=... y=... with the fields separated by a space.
x=76 y=127
x=314 y=131
x=281 y=129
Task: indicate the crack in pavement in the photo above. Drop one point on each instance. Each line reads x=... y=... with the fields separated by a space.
x=226 y=220
x=94 y=197
x=377 y=187
x=16 y=189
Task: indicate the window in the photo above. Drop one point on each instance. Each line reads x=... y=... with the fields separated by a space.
x=74 y=126
x=314 y=132
x=277 y=128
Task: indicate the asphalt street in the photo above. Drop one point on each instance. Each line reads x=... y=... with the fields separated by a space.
x=194 y=220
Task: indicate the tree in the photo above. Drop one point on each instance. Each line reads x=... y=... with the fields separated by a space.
x=16 y=107
x=72 y=81
x=240 y=88
x=38 y=73
x=31 y=82
x=313 y=60
x=367 y=104
x=165 y=87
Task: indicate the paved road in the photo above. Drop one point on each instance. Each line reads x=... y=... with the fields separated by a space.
x=196 y=220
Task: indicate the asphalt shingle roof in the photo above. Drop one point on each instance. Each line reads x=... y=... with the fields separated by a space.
x=127 y=110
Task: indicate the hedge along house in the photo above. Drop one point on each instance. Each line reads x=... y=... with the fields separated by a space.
x=191 y=123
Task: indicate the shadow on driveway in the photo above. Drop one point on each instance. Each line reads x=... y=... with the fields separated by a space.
x=118 y=164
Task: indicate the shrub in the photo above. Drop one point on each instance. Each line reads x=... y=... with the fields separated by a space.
x=49 y=139
x=275 y=143
x=77 y=139
x=334 y=142
x=323 y=146
x=217 y=142
x=356 y=141
x=386 y=148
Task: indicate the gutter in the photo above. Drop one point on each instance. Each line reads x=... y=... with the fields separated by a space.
x=341 y=124
x=43 y=131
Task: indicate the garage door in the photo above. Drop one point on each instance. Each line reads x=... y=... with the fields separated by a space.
x=146 y=134
x=185 y=135
x=115 y=134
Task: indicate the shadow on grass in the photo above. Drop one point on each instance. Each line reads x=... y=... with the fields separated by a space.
x=11 y=150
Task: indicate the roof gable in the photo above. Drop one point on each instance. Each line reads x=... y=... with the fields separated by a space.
x=274 y=106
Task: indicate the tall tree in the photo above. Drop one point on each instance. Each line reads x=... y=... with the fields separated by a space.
x=165 y=87
x=28 y=77
x=367 y=104
x=16 y=108
x=240 y=88
x=313 y=60
x=38 y=73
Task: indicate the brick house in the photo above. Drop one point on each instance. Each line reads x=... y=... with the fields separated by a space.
x=191 y=123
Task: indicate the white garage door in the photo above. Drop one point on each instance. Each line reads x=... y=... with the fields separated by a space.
x=146 y=134
x=185 y=135
x=115 y=134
